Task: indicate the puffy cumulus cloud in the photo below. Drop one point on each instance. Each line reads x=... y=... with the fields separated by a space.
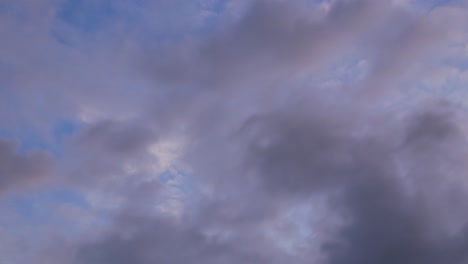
x=224 y=145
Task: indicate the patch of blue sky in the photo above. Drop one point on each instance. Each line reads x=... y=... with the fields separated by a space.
x=62 y=36
x=185 y=183
x=166 y=177
x=220 y=5
x=44 y=210
x=40 y=209
x=27 y=140
x=459 y=61
x=211 y=20
x=176 y=177
x=78 y=19
x=444 y=90
x=4 y=65
x=63 y=130
x=87 y=16
x=22 y=207
x=30 y=142
x=412 y=94
x=38 y=206
x=318 y=2
x=340 y=74
x=164 y=23
x=8 y=6
x=30 y=138
x=15 y=128
x=432 y=4
x=6 y=76
x=68 y=196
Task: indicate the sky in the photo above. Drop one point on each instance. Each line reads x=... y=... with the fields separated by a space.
x=234 y=131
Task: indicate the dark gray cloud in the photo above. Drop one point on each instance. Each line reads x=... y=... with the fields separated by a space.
x=271 y=37
x=386 y=225
x=375 y=180
x=149 y=240
x=390 y=188
x=105 y=148
x=20 y=170
x=120 y=139
x=257 y=150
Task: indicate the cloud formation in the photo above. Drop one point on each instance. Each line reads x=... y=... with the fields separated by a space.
x=252 y=132
x=20 y=170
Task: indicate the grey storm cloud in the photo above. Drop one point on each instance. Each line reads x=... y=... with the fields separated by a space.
x=387 y=197
x=103 y=148
x=276 y=39
x=149 y=240
x=19 y=170
x=387 y=177
x=390 y=211
x=272 y=36
x=114 y=137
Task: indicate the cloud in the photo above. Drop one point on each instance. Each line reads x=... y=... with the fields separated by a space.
x=22 y=170
x=157 y=240
x=255 y=137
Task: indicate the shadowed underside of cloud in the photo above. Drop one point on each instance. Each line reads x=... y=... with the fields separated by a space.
x=388 y=187
x=22 y=170
x=280 y=169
